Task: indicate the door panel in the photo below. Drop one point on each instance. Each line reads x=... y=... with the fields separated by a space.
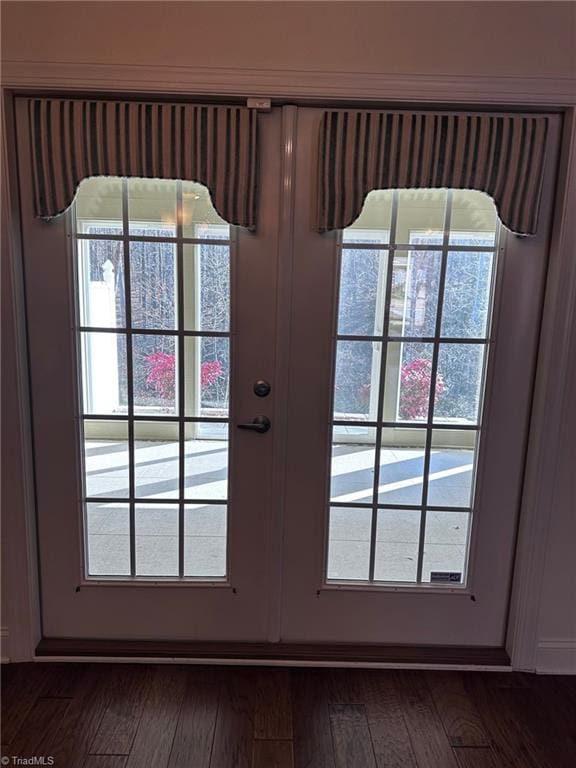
x=362 y=572
x=152 y=404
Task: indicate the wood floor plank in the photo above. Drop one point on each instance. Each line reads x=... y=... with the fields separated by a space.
x=457 y=711
x=553 y=733
x=351 y=736
x=390 y=737
x=153 y=741
x=192 y=745
x=429 y=740
x=476 y=757
x=512 y=739
x=63 y=679
x=79 y=726
x=36 y=733
x=21 y=686
x=557 y=700
x=567 y=683
x=313 y=747
x=105 y=761
x=344 y=686
x=348 y=723
x=273 y=753
x=128 y=689
x=506 y=679
x=235 y=722
x=273 y=706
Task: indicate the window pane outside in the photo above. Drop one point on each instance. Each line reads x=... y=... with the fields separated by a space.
x=423 y=293
x=154 y=327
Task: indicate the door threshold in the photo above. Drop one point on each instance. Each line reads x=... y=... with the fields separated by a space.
x=335 y=654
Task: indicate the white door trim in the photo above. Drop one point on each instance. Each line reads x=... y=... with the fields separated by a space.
x=550 y=403
x=293 y=83
x=20 y=583
x=560 y=305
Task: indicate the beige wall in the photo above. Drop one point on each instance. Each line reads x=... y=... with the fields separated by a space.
x=472 y=38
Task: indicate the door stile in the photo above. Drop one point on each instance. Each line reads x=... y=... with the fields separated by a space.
x=284 y=296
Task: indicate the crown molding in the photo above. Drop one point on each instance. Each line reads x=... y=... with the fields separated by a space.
x=296 y=84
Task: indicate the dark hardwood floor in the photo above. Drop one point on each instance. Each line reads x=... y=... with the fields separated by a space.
x=178 y=716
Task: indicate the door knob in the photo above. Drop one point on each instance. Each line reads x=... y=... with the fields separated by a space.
x=258 y=424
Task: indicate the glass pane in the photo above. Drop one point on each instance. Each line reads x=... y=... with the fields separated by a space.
x=101 y=283
x=373 y=224
x=207 y=376
x=153 y=285
x=106 y=459
x=206 y=287
x=199 y=217
x=360 y=309
x=108 y=539
x=414 y=294
x=205 y=540
x=356 y=379
x=467 y=294
x=156 y=450
x=397 y=538
x=156 y=539
x=401 y=466
x=155 y=374
x=356 y=431
x=451 y=467
x=99 y=200
x=206 y=461
x=421 y=212
x=458 y=383
x=152 y=207
x=445 y=543
x=349 y=543
x=104 y=384
x=353 y=457
x=407 y=390
x=474 y=217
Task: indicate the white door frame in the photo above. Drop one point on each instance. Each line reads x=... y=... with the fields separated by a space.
x=550 y=404
x=22 y=632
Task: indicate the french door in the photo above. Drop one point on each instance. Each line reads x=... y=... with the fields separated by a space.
x=279 y=435
x=150 y=321
x=414 y=335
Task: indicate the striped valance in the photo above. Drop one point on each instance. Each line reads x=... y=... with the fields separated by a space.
x=502 y=155
x=73 y=139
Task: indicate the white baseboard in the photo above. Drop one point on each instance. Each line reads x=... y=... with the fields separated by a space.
x=556 y=656
x=4 y=656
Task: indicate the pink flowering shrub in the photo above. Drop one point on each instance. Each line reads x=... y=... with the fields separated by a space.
x=415 y=388
x=210 y=372
x=161 y=367
x=161 y=373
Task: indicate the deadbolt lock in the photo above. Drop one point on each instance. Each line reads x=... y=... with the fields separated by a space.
x=262 y=388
